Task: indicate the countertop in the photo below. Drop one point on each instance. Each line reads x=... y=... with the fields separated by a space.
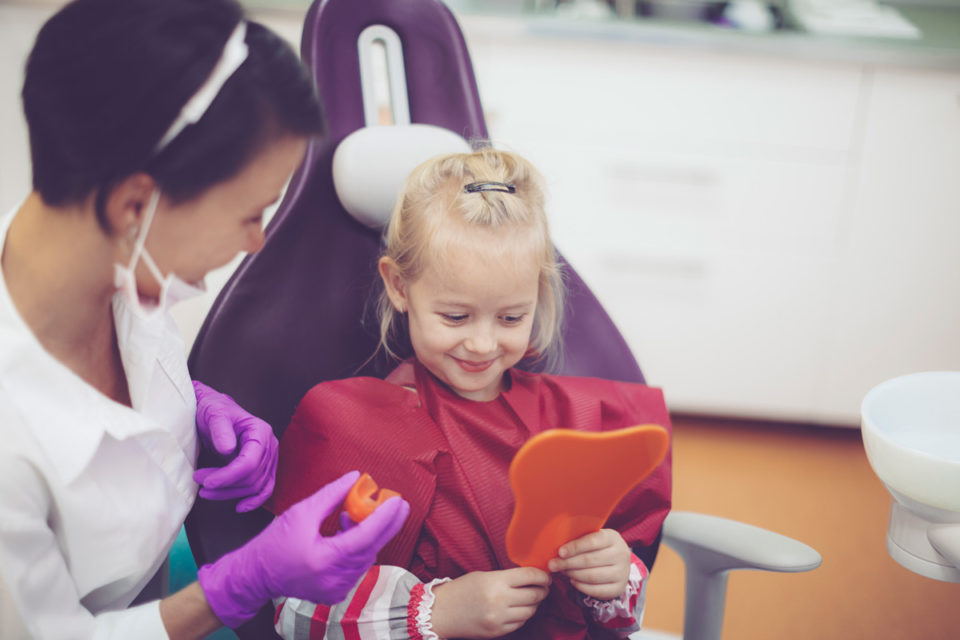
x=938 y=48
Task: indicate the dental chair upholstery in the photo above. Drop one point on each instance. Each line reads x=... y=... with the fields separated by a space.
x=299 y=312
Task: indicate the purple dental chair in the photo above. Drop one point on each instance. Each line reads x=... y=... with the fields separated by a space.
x=300 y=311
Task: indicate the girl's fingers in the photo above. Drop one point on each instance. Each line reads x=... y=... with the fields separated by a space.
x=585 y=544
x=528 y=596
x=595 y=576
x=527 y=577
x=598 y=558
x=600 y=592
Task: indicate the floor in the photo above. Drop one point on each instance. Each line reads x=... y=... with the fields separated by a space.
x=813 y=484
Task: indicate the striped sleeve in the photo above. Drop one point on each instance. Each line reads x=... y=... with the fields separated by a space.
x=375 y=609
x=623 y=615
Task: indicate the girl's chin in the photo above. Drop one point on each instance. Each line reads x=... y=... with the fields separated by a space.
x=476 y=393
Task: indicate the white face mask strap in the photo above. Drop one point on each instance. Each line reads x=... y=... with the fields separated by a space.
x=152 y=266
x=139 y=249
x=234 y=53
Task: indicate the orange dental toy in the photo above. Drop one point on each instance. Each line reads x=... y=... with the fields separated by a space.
x=360 y=502
x=566 y=484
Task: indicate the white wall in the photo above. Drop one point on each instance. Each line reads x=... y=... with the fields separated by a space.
x=18 y=26
x=773 y=234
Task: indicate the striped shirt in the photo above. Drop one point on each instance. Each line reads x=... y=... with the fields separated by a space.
x=384 y=603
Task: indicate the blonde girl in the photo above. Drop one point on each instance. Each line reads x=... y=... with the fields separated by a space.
x=472 y=288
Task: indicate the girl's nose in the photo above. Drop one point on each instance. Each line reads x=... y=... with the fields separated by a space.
x=482 y=339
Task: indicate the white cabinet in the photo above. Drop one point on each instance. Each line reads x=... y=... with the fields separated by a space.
x=726 y=210
x=895 y=299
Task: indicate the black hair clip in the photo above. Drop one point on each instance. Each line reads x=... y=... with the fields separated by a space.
x=475 y=187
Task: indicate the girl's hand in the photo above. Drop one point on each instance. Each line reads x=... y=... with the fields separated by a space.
x=488 y=604
x=598 y=564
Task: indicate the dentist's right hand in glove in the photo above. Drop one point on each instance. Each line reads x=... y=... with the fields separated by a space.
x=291 y=558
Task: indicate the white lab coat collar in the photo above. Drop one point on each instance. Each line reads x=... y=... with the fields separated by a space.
x=37 y=382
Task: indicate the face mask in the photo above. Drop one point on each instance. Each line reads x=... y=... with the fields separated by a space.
x=172 y=288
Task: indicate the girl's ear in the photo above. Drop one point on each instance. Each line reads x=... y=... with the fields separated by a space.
x=127 y=201
x=393 y=283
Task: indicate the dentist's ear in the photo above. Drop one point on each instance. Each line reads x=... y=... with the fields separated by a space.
x=394 y=283
x=126 y=203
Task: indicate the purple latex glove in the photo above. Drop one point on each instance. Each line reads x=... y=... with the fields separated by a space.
x=291 y=558
x=252 y=467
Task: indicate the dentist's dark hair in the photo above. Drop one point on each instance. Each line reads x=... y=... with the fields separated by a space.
x=107 y=78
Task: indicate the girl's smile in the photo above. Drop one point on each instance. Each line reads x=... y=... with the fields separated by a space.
x=474 y=367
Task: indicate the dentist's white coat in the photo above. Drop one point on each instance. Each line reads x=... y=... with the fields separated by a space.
x=92 y=493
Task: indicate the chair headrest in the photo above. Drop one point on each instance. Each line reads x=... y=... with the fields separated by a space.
x=371 y=164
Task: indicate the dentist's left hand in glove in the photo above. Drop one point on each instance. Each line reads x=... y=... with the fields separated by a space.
x=246 y=441
x=290 y=557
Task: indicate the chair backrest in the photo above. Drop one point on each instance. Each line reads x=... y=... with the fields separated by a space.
x=291 y=314
x=298 y=312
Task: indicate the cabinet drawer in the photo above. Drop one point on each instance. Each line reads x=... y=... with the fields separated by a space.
x=733 y=338
x=622 y=202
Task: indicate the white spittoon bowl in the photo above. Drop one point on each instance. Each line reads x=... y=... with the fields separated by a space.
x=911 y=433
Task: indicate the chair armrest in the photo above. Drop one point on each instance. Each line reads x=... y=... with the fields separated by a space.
x=716 y=544
x=711 y=547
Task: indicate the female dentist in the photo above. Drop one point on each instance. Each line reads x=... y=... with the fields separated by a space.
x=159 y=132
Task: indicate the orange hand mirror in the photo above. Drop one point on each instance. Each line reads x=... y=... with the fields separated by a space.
x=566 y=484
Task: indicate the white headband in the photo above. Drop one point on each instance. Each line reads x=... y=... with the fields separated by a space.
x=234 y=53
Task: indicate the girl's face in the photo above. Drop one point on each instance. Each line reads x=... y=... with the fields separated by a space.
x=470 y=318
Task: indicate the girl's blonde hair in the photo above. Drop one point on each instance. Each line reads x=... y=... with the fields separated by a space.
x=435 y=214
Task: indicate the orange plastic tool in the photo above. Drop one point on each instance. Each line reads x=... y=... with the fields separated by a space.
x=360 y=502
x=566 y=483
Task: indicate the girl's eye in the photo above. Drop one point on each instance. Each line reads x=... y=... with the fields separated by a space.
x=513 y=319
x=454 y=317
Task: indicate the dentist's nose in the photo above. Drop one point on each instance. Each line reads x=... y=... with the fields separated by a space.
x=255 y=240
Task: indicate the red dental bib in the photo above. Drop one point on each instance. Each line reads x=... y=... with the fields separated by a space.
x=450 y=457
